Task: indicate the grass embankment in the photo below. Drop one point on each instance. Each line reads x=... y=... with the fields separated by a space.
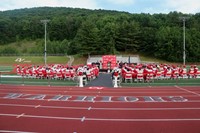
x=79 y=60
x=24 y=46
x=7 y=62
x=31 y=81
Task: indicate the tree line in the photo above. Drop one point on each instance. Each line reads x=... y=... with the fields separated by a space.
x=83 y=31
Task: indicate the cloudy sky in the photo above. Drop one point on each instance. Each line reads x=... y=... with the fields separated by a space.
x=132 y=6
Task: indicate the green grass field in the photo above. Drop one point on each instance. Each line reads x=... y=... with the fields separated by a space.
x=54 y=82
x=31 y=81
x=6 y=68
x=179 y=82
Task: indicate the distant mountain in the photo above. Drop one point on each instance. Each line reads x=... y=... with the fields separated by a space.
x=83 y=31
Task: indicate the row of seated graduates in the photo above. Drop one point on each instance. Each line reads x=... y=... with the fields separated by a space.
x=158 y=71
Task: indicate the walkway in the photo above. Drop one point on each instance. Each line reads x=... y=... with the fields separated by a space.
x=104 y=80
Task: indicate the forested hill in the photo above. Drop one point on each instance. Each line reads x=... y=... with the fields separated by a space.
x=83 y=31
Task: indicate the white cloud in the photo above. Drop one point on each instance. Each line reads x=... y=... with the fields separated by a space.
x=184 y=6
x=122 y=2
x=16 y=4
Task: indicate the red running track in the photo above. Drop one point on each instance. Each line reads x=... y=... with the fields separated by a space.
x=39 y=109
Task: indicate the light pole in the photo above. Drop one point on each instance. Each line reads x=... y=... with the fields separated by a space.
x=45 y=35
x=184 y=55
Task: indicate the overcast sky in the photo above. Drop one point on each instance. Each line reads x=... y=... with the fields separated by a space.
x=132 y=6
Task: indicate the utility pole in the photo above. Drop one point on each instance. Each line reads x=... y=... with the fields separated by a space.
x=184 y=20
x=45 y=35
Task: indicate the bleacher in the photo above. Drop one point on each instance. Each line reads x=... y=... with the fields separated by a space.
x=94 y=59
x=128 y=59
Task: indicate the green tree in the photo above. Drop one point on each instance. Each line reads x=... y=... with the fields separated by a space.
x=128 y=38
x=87 y=39
x=169 y=44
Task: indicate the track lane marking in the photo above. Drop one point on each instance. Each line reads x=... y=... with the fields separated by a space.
x=102 y=119
x=85 y=88
x=10 y=131
x=140 y=120
x=83 y=119
x=89 y=108
x=44 y=117
x=94 y=108
x=21 y=115
x=103 y=92
x=187 y=90
x=87 y=92
x=37 y=106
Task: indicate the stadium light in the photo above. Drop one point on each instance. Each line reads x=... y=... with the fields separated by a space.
x=184 y=55
x=45 y=34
